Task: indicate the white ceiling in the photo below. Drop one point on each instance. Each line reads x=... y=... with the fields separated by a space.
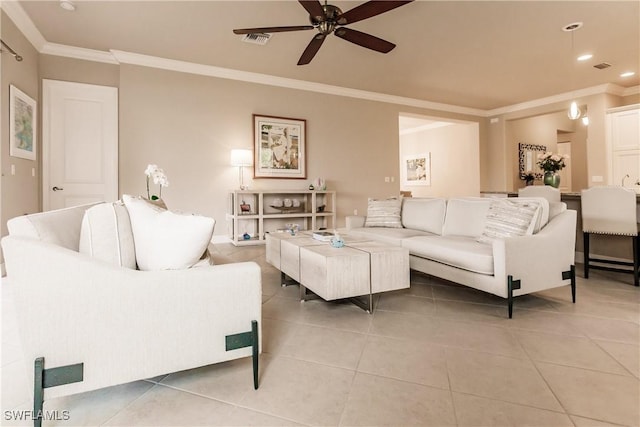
x=475 y=54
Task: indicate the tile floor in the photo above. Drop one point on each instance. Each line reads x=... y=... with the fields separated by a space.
x=434 y=355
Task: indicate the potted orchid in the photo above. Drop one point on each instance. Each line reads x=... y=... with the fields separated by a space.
x=159 y=178
x=551 y=163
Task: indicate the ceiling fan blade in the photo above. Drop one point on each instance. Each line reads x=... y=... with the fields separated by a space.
x=369 y=9
x=364 y=40
x=314 y=8
x=312 y=48
x=272 y=29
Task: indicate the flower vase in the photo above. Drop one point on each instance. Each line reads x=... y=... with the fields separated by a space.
x=551 y=178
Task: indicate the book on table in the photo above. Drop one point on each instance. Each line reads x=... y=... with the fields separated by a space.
x=324 y=236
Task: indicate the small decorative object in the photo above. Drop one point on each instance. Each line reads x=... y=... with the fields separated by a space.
x=288 y=203
x=22 y=124
x=529 y=177
x=321 y=184
x=245 y=207
x=321 y=208
x=280 y=147
x=159 y=177
x=336 y=240
x=551 y=163
x=296 y=203
x=246 y=236
x=277 y=203
x=292 y=228
x=311 y=187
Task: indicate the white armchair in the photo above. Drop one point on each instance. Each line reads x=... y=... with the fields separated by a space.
x=95 y=324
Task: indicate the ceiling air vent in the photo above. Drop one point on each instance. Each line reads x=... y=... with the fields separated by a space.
x=257 y=38
x=602 y=65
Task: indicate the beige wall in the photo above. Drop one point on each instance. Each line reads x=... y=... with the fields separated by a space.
x=502 y=176
x=455 y=160
x=188 y=124
x=543 y=130
x=19 y=192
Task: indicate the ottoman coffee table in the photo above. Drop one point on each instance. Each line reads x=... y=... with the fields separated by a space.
x=356 y=271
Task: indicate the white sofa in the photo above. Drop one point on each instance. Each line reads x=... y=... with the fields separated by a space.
x=95 y=324
x=444 y=238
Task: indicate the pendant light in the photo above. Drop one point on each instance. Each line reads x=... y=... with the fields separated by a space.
x=574 y=112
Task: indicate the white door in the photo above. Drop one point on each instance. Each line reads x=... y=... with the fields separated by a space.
x=80 y=144
x=564 y=148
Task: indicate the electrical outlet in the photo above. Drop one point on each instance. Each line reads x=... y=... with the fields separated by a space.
x=355 y=212
x=386 y=179
x=33 y=171
x=393 y=179
x=13 y=169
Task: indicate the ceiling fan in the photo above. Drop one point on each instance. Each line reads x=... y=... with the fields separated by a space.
x=329 y=19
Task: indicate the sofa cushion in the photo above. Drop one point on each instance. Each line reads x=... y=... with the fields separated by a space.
x=60 y=227
x=384 y=213
x=423 y=214
x=511 y=218
x=466 y=216
x=460 y=252
x=106 y=235
x=165 y=240
x=391 y=236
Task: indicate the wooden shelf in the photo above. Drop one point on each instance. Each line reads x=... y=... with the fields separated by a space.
x=267 y=215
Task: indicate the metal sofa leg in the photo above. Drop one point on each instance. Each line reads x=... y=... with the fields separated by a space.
x=247 y=339
x=45 y=378
x=511 y=286
x=571 y=274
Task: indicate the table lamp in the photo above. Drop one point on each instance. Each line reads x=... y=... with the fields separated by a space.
x=241 y=158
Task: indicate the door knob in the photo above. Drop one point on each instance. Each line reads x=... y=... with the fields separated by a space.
x=57 y=189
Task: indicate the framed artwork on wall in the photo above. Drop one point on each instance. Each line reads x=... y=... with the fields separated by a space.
x=279 y=147
x=416 y=169
x=22 y=124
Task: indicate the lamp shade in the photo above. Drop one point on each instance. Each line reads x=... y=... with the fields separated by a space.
x=241 y=157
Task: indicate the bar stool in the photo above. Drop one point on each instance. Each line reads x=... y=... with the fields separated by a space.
x=550 y=193
x=610 y=210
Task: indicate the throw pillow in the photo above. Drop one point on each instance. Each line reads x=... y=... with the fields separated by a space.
x=165 y=240
x=508 y=218
x=384 y=213
x=106 y=234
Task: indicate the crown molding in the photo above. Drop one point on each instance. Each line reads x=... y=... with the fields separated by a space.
x=78 y=53
x=562 y=97
x=19 y=17
x=227 y=73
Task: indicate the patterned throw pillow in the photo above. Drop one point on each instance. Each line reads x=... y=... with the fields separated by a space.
x=507 y=218
x=384 y=213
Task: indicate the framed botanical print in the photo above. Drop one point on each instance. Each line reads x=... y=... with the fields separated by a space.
x=22 y=124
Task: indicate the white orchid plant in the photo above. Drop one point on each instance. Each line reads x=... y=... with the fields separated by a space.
x=159 y=178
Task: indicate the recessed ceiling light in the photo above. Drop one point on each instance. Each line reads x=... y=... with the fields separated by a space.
x=585 y=57
x=627 y=74
x=67 y=5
